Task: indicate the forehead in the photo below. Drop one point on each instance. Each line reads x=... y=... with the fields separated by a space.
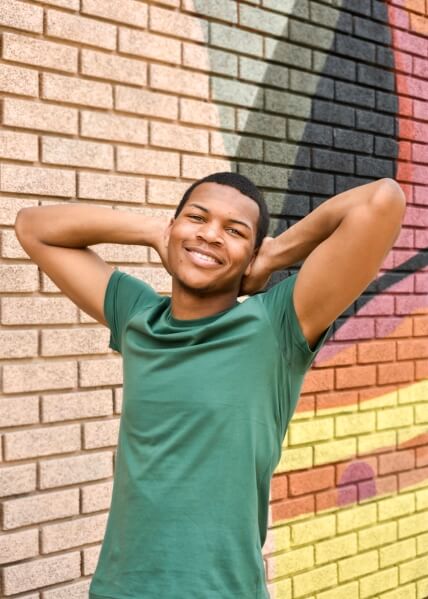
x=226 y=201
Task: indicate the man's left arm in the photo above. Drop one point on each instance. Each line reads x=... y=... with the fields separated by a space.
x=343 y=243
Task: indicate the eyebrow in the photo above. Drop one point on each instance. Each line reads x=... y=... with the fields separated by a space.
x=231 y=220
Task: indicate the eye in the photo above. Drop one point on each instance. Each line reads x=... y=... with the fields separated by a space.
x=195 y=216
x=235 y=231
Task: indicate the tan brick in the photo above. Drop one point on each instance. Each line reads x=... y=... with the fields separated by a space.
x=15 y=277
x=18 y=410
x=204 y=113
x=195 y=167
x=166 y=191
x=229 y=144
x=226 y=10
x=18 y=344
x=77 y=91
x=56 y=150
x=36 y=180
x=79 y=590
x=63 y=342
x=42 y=441
x=118 y=399
x=39 y=52
x=19 y=545
x=9 y=208
x=73 y=533
x=215 y=61
x=96 y=497
x=76 y=469
x=118 y=68
x=134 y=13
x=21 y=15
x=111 y=187
x=179 y=81
x=114 y=127
x=10 y=246
x=148 y=103
x=380 y=581
x=39 y=508
x=16 y=80
x=101 y=433
x=73 y=4
x=17 y=479
x=82 y=404
x=158 y=278
x=174 y=23
x=39 y=573
x=39 y=375
x=90 y=559
x=179 y=137
x=37 y=310
x=148 y=162
x=18 y=146
x=121 y=253
x=93 y=373
x=81 y=29
x=149 y=45
x=36 y=115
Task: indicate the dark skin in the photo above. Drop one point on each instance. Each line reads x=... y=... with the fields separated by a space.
x=343 y=243
x=207 y=223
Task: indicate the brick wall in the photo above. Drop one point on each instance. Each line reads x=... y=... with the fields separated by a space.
x=125 y=107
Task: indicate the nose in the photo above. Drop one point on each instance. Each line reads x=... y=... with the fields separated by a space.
x=210 y=232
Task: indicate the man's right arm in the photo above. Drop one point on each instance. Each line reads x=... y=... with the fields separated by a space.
x=57 y=238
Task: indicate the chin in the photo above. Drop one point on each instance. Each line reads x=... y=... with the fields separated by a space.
x=202 y=283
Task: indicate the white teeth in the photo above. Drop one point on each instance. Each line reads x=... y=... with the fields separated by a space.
x=204 y=257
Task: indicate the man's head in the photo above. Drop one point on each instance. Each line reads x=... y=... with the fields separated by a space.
x=223 y=215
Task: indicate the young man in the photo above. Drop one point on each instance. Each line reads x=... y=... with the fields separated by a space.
x=210 y=383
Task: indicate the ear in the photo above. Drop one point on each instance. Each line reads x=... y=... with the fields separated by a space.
x=167 y=232
x=250 y=264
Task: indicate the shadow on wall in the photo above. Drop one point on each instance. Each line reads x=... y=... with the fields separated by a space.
x=324 y=118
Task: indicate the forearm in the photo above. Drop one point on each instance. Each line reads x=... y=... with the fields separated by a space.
x=297 y=242
x=80 y=225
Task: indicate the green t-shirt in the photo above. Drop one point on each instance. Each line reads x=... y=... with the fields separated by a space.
x=206 y=405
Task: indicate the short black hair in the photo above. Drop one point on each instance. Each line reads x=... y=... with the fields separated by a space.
x=242 y=184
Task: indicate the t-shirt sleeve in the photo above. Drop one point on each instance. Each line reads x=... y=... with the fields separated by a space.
x=124 y=294
x=279 y=304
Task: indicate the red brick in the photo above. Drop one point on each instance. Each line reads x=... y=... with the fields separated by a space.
x=309 y=481
x=376 y=351
x=357 y=376
x=318 y=380
x=396 y=461
x=396 y=373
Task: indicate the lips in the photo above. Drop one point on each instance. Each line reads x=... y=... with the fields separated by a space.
x=191 y=250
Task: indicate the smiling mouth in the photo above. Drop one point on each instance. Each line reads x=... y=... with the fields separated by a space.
x=202 y=259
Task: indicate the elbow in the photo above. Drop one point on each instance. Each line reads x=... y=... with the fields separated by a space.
x=22 y=224
x=391 y=198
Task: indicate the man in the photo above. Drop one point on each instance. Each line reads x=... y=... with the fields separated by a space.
x=210 y=383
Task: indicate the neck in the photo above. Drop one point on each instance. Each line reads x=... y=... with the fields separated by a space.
x=188 y=304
